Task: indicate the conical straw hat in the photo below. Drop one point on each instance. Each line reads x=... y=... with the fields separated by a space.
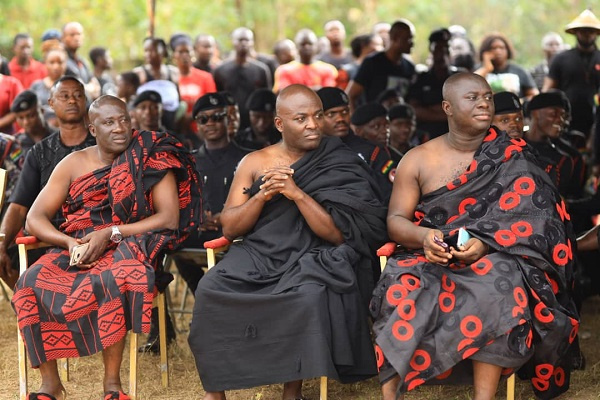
x=586 y=19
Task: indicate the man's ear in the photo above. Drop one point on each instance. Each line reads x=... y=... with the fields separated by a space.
x=92 y=130
x=447 y=107
x=279 y=124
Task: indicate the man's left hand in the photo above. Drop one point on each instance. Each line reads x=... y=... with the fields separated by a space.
x=472 y=251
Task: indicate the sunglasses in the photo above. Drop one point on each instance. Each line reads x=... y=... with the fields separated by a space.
x=217 y=117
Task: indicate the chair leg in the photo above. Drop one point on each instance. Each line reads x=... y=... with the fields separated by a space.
x=133 y=354
x=22 y=367
x=510 y=387
x=63 y=369
x=162 y=329
x=323 y=388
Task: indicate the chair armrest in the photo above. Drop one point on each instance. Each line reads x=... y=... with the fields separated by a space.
x=213 y=247
x=24 y=244
x=386 y=250
x=217 y=243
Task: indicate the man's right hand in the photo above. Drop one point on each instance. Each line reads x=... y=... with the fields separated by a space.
x=434 y=251
x=7 y=273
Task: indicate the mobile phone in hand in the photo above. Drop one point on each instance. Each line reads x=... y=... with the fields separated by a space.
x=441 y=243
x=77 y=253
x=463 y=237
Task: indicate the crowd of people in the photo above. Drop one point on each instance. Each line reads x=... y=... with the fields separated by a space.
x=315 y=156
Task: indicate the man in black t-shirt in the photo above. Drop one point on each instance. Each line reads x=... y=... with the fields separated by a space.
x=425 y=95
x=577 y=71
x=67 y=99
x=388 y=69
x=242 y=74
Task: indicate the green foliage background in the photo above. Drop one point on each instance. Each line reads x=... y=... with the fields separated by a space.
x=120 y=25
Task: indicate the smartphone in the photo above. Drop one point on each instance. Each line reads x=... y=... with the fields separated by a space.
x=441 y=243
x=77 y=253
x=463 y=237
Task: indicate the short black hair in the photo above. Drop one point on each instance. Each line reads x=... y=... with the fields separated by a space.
x=358 y=43
x=132 y=78
x=20 y=36
x=96 y=53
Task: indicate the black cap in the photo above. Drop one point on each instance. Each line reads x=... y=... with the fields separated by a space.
x=51 y=34
x=208 y=102
x=507 y=103
x=332 y=97
x=387 y=95
x=367 y=113
x=548 y=99
x=402 y=111
x=229 y=99
x=261 y=100
x=24 y=101
x=150 y=95
x=439 y=35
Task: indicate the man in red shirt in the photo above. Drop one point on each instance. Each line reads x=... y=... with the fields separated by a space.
x=307 y=71
x=23 y=66
x=10 y=87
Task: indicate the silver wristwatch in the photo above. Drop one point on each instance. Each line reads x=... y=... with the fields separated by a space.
x=116 y=235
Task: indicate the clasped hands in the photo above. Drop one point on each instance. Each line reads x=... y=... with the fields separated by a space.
x=279 y=180
x=436 y=252
x=98 y=240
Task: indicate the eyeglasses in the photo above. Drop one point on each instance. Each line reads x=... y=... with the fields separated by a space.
x=217 y=117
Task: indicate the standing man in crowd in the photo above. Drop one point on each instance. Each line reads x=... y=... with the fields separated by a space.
x=23 y=66
x=388 y=69
x=577 y=71
x=242 y=74
x=308 y=70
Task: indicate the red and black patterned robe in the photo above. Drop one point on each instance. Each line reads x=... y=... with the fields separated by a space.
x=64 y=311
x=510 y=308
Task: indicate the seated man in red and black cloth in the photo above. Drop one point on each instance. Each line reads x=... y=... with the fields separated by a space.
x=127 y=199
x=448 y=312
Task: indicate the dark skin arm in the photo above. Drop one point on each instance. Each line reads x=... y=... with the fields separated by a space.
x=51 y=198
x=242 y=211
x=354 y=90
x=13 y=221
x=406 y=195
x=589 y=240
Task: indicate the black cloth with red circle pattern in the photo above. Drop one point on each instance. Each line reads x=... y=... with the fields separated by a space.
x=510 y=308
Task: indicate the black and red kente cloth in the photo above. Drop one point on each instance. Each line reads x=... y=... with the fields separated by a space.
x=510 y=308
x=64 y=311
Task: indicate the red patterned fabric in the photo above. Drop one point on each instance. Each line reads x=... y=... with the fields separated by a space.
x=64 y=311
x=510 y=308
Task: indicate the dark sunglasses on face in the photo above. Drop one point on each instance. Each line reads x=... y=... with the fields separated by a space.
x=217 y=117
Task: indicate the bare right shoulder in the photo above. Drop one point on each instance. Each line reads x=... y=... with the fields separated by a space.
x=75 y=164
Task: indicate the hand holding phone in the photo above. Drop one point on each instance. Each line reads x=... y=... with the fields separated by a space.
x=441 y=243
x=77 y=253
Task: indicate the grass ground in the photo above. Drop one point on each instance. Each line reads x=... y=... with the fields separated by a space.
x=86 y=373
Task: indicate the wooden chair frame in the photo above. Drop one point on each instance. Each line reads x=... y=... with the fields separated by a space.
x=29 y=243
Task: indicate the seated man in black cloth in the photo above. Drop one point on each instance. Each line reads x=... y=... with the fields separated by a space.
x=469 y=313
x=127 y=199
x=336 y=122
x=287 y=303
x=261 y=132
